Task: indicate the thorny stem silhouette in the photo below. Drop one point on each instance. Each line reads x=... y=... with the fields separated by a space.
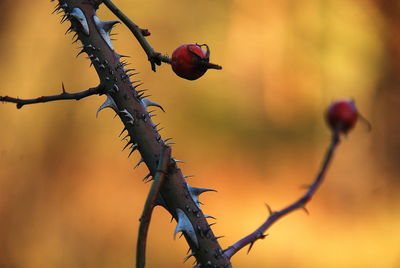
x=154 y=57
x=299 y=204
x=62 y=96
x=151 y=202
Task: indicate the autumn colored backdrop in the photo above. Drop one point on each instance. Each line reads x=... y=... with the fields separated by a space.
x=254 y=131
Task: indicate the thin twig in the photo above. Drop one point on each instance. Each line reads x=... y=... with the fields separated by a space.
x=62 y=96
x=153 y=56
x=299 y=204
x=159 y=178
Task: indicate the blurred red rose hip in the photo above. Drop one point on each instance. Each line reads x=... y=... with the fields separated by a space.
x=342 y=116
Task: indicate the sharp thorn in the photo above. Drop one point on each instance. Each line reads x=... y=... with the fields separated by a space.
x=108 y=103
x=122 y=132
x=188 y=256
x=138 y=163
x=269 y=209
x=127 y=144
x=305 y=210
x=133 y=149
x=147 y=177
x=251 y=245
x=209 y=217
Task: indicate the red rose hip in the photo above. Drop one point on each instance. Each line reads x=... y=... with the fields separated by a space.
x=342 y=116
x=190 y=61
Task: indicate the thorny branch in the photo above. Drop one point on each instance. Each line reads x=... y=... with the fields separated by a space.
x=154 y=57
x=151 y=202
x=62 y=96
x=299 y=204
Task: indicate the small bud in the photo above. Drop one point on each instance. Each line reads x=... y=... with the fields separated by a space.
x=145 y=32
x=342 y=115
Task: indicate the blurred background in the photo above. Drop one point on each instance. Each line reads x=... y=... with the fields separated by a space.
x=254 y=131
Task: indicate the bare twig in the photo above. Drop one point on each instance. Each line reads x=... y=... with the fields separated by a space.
x=158 y=178
x=300 y=203
x=62 y=96
x=153 y=56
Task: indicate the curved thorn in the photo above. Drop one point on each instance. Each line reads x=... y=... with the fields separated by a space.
x=108 y=103
x=138 y=163
x=80 y=17
x=148 y=103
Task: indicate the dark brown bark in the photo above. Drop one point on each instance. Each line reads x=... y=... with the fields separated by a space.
x=130 y=107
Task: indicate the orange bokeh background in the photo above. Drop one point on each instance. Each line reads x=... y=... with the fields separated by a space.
x=254 y=131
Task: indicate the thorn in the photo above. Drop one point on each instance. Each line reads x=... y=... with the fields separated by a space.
x=133 y=149
x=90 y=47
x=188 y=257
x=80 y=17
x=195 y=192
x=251 y=245
x=141 y=90
x=127 y=114
x=143 y=97
x=127 y=144
x=305 y=210
x=63 y=19
x=122 y=132
x=104 y=27
x=70 y=30
x=138 y=163
x=184 y=225
x=132 y=74
x=178 y=161
x=188 y=176
x=147 y=176
x=126 y=136
x=109 y=25
x=108 y=103
x=63 y=88
x=209 y=217
x=80 y=52
x=56 y=9
x=269 y=209
x=147 y=103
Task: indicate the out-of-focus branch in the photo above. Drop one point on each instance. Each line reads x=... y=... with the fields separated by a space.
x=62 y=96
x=298 y=204
x=153 y=56
x=159 y=177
